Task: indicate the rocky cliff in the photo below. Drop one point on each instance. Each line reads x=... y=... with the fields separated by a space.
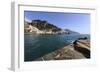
x=43 y=27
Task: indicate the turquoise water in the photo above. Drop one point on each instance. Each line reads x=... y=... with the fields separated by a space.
x=36 y=46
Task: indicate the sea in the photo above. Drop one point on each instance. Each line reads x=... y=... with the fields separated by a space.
x=36 y=46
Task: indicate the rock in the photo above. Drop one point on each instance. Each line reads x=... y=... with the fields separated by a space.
x=65 y=53
x=81 y=46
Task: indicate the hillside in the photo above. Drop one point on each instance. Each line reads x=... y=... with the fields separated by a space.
x=71 y=32
x=43 y=27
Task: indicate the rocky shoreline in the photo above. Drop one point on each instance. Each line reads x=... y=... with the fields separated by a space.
x=79 y=49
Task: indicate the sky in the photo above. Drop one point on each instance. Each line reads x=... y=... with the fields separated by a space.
x=79 y=22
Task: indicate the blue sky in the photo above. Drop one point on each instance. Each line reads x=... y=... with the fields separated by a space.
x=79 y=22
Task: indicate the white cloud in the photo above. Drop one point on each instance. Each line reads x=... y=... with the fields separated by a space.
x=27 y=20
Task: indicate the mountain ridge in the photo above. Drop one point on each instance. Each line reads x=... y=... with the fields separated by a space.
x=43 y=27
